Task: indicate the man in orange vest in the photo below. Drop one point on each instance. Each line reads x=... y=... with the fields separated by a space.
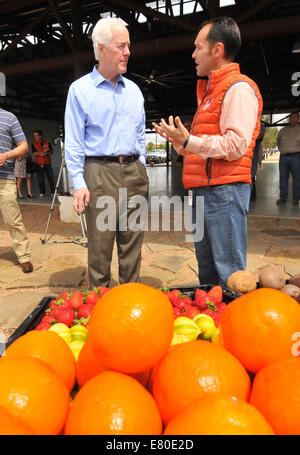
x=42 y=150
x=218 y=149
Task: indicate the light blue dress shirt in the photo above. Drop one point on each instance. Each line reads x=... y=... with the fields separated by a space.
x=102 y=119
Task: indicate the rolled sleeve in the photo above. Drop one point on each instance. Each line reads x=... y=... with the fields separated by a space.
x=237 y=122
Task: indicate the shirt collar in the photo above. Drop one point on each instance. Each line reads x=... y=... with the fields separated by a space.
x=98 y=78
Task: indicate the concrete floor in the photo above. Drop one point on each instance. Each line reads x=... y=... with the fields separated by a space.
x=166 y=180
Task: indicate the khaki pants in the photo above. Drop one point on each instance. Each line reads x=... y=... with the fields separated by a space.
x=104 y=179
x=12 y=218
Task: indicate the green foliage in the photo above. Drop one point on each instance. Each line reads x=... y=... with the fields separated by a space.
x=270 y=137
x=151 y=146
x=271 y=132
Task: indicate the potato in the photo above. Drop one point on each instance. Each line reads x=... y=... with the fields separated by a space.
x=242 y=281
x=272 y=277
x=295 y=280
x=292 y=290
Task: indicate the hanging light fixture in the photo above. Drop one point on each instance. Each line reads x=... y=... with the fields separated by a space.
x=296 y=47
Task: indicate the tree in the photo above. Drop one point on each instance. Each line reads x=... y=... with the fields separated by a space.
x=150 y=146
x=270 y=137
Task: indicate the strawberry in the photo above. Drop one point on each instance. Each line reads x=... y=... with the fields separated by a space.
x=176 y=312
x=175 y=292
x=85 y=310
x=201 y=302
x=217 y=293
x=209 y=312
x=221 y=306
x=186 y=300
x=43 y=326
x=211 y=299
x=65 y=316
x=63 y=296
x=83 y=321
x=191 y=311
x=48 y=318
x=102 y=290
x=91 y=297
x=178 y=302
x=200 y=294
x=76 y=300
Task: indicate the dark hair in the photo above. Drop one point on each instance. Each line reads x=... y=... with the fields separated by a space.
x=224 y=30
x=39 y=132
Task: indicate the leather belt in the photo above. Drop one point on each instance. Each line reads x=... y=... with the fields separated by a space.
x=289 y=154
x=122 y=159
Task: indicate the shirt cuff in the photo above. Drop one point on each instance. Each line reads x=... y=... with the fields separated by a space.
x=142 y=159
x=78 y=182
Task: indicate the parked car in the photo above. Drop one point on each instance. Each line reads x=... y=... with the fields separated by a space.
x=157 y=156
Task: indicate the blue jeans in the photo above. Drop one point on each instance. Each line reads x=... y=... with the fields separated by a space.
x=289 y=164
x=223 y=249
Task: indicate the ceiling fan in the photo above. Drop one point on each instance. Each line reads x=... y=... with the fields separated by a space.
x=165 y=80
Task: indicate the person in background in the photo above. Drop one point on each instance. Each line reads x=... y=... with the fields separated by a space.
x=257 y=160
x=42 y=151
x=218 y=149
x=105 y=149
x=21 y=172
x=13 y=145
x=288 y=143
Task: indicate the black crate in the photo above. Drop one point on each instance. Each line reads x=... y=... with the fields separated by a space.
x=29 y=323
x=189 y=291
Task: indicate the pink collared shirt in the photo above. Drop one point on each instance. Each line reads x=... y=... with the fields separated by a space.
x=237 y=122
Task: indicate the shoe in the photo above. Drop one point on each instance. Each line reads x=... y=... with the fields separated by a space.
x=42 y=194
x=21 y=197
x=27 y=267
x=30 y=196
x=295 y=202
x=280 y=201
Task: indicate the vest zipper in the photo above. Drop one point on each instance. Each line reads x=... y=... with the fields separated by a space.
x=208 y=162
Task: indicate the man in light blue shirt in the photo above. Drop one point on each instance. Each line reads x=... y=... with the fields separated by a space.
x=105 y=152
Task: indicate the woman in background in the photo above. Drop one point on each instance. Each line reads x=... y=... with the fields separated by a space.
x=20 y=173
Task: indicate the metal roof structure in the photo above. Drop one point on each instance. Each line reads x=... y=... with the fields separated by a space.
x=45 y=45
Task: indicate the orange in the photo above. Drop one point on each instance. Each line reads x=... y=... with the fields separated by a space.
x=257 y=328
x=49 y=347
x=34 y=394
x=113 y=404
x=9 y=425
x=193 y=369
x=131 y=327
x=217 y=414
x=88 y=365
x=276 y=394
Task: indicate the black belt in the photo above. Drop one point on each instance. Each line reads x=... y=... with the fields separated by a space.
x=296 y=153
x=122 y=159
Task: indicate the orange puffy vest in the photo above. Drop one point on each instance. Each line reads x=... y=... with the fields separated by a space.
x=210 y=93
x=41 y=160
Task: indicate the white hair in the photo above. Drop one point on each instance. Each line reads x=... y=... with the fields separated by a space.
x=102 y=32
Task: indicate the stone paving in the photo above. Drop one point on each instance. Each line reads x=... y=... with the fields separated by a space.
x=167 y=259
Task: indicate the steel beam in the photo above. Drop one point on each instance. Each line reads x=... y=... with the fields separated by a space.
x=25 y=32
x=283 y=26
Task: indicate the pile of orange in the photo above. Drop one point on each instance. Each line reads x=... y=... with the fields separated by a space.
x=131 y=381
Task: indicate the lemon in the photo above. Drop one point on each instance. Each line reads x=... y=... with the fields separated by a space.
x=79 y=332
x=186 y=326
x=206 y=324
x=179 y=338
x=76 y=347
x=62 y=330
